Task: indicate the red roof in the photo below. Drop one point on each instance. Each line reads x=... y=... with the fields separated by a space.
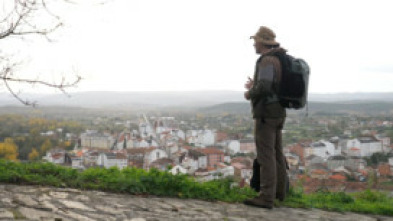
x=209 y=151
x=337 y=177
x=79 y=153
x=57 y=155
x=140 y=150
x=187 y=147
x=318 y=171
x=238 y=165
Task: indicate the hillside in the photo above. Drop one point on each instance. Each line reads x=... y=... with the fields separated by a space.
x=354 y=107
x=149 y=99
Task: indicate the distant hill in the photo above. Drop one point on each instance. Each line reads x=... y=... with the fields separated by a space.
x=101 y=99
x=359 y=107
x=233 y=108
x=190 y=99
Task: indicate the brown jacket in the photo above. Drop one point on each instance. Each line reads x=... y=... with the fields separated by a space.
x=263 y=94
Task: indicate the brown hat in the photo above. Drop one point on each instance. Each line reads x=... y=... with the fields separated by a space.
x=266 y=36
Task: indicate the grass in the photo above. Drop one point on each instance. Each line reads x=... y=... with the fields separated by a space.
x=129 y=180
x=368 y=201
x=140 y=182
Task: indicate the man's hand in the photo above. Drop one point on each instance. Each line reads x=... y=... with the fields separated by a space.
x=247 y=95
x=249 y=84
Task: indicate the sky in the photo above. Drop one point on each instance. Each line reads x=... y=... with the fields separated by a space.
x=191 y=45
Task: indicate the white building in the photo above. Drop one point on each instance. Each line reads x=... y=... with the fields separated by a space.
x=234 y=146
x=201 y=138
x=55 y=157
x=108 y=160
x=207 y=137
x=145 y=130
x=142 y=157
x=126 y=140
x=226 y=171
x=367 y=145
x=385 y=142
x=93 y=139
x=77 y=162
x=178 y=170
x=195 y=160
x=179 y=133
x=322 y=148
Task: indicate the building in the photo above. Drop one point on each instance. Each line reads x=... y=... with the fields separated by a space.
x=335 y=162
x=367 y=145
x=162 y=164
x=384 y=170
x=233 y=146
x=58 y=156
x=111 y=159
x=385 y=140
x=143 y=157
x=77 y=162
x=194 y=160
x=178 y=169
x=313 y=159
x=321 y=148
x=247 y=146
x=214 y=156
x=126 y=140
x=293 y=160
x=93 y=139
x=355 y=163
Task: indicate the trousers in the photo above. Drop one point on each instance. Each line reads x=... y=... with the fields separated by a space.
x=268 y=140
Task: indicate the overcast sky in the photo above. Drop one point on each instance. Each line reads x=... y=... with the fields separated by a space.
x=175 y=45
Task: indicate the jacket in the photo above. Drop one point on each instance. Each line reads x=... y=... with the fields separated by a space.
x=263 y=94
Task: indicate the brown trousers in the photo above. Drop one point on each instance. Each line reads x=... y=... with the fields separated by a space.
x=268 y=140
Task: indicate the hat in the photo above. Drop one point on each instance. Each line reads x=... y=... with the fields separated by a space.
x=266 y=36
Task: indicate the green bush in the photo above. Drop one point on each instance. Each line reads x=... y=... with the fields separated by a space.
x=128 y=180
x=367 y=201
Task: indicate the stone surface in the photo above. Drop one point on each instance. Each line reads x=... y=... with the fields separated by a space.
x=45 y=203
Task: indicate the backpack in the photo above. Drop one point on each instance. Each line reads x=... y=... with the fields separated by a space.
x=292 y=92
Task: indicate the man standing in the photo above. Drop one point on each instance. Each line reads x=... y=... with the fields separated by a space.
x=269 y=117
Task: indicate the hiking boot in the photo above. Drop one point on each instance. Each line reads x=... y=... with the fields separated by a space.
x=258 y=202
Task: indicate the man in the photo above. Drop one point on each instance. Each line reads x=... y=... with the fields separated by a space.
x=269 y=117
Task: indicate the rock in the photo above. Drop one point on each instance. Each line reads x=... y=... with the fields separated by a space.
x=38 y=203
x=6 y=214
x=75 y=205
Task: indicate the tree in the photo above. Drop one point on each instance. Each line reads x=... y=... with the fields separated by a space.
x=19 y=20
x=47 y=145
x=34 y=155
x=8 y=150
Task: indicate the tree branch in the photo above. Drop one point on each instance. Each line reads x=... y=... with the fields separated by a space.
x=20 y=20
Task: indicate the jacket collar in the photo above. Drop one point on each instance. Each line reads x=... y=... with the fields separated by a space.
x=274 y=51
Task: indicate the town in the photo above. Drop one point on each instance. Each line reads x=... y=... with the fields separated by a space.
x=334 y=153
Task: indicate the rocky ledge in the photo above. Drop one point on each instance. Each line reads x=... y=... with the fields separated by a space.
x=47 y=203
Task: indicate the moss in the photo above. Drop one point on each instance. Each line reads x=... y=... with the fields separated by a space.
x=17 y=214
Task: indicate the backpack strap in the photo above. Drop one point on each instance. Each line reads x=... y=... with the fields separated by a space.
x=283 y=63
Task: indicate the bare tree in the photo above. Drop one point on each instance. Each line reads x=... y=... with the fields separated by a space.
x=19 y=19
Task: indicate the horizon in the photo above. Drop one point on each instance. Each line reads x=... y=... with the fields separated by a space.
x=196 y=90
